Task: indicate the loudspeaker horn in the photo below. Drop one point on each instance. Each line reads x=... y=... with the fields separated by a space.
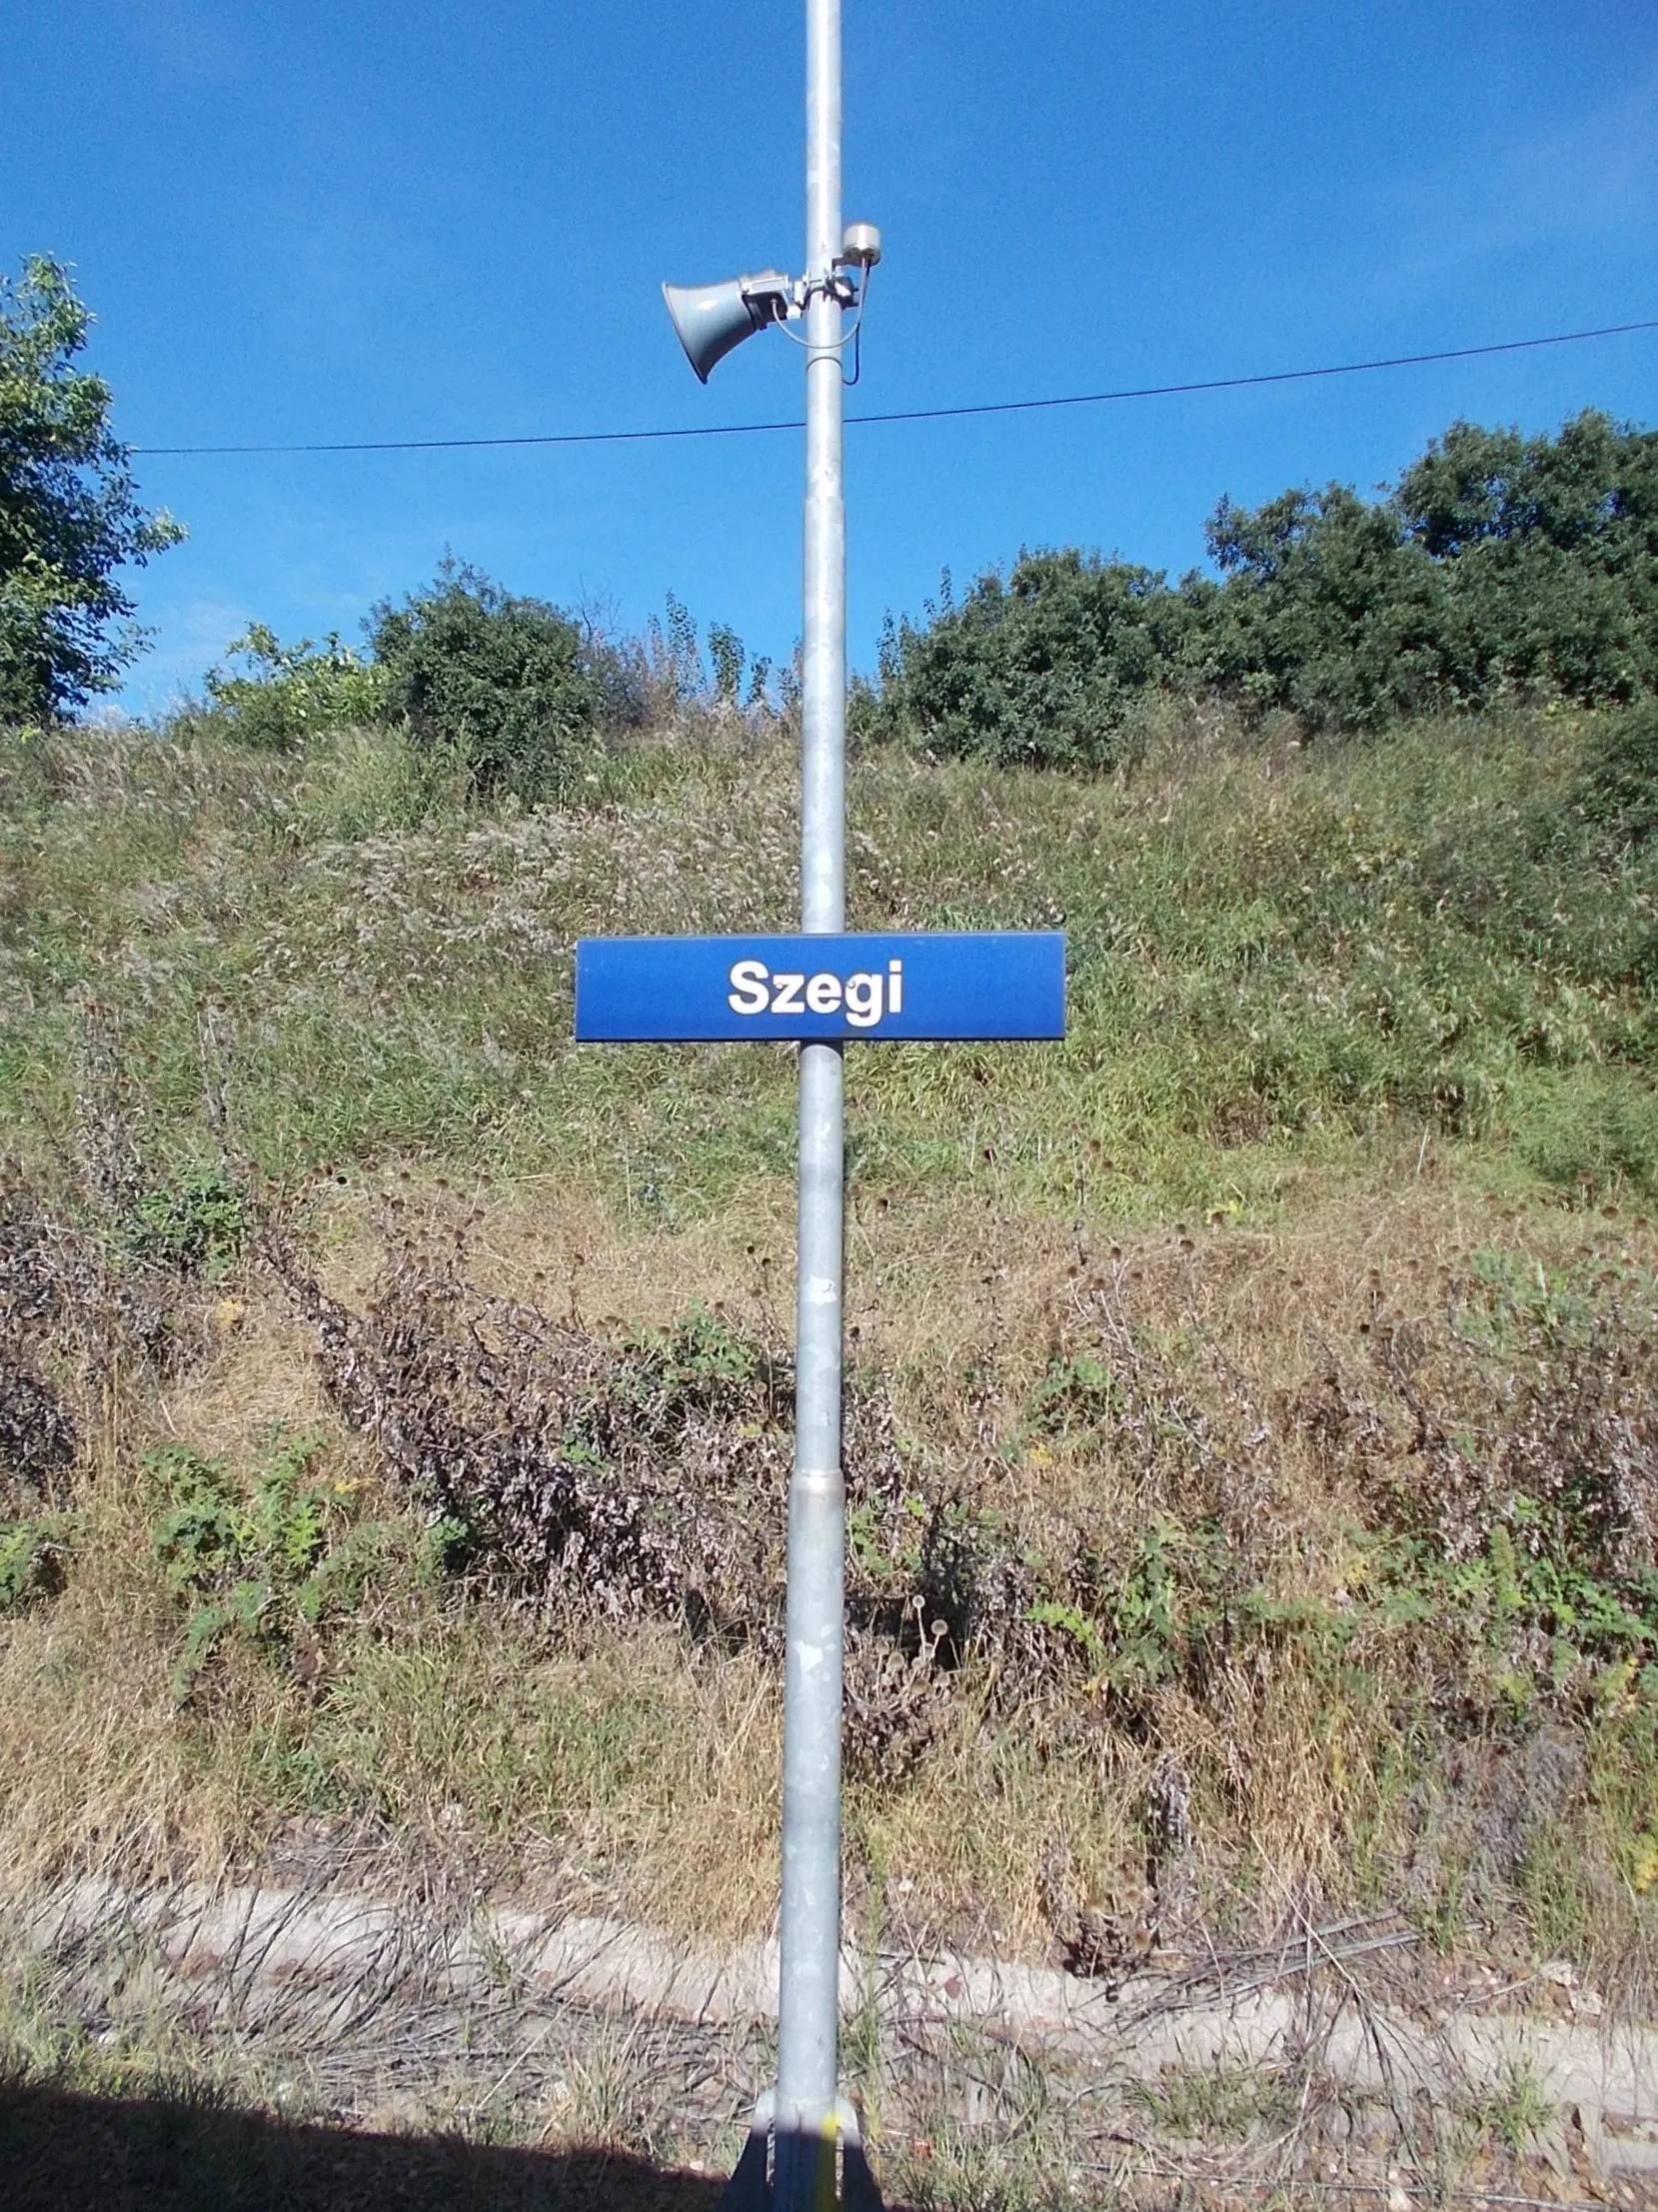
x=711 y=319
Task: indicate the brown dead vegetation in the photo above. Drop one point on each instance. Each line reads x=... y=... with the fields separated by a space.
x=1131 y=1641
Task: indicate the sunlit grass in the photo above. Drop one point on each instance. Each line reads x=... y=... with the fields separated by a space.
x=1337 y=1013
x=1270 y=945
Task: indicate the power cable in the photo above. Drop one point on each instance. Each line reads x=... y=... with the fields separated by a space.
x=920 y=414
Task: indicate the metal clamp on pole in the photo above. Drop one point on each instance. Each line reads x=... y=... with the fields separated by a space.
x=830 y=2169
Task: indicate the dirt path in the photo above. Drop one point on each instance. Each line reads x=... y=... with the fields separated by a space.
x=1321 y=2057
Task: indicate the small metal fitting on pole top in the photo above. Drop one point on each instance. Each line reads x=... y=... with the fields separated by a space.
x=770 y=296
x=860 y=246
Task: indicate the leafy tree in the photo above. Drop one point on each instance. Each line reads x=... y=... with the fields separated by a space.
x=68 y=516
x=510 y=687
x=1551 y=544
x=1499 y=566
x=1592 y=491
x=1039 y=669
x=1327 y=607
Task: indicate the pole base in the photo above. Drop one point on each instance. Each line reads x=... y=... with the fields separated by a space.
x=788 y=2170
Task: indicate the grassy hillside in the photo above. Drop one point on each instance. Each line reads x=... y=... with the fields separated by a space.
x=1253 y=1455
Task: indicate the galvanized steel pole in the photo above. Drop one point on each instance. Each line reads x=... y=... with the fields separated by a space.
x=810 y=1923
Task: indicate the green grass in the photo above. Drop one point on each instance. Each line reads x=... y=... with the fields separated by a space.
x=1275 y=956
x=1314 y=991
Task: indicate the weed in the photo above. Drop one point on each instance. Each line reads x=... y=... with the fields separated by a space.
x=956 y=2169
x=197 y=1224
x=1219 y=2102
x=1515 y=2110
x=33 y=1560
x=271 y=1564
x=1048 y=1612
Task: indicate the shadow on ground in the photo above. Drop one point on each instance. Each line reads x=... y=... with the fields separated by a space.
x=76 y=2153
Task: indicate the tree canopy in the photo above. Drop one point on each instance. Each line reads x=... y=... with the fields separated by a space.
x=1498 y=566
x=509 y=686
x=69 y=514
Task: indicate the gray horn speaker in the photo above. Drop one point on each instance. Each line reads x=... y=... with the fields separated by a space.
x=711 y=319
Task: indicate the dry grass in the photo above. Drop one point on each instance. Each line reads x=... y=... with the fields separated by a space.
x=635 y=1768
x=1321 y=1074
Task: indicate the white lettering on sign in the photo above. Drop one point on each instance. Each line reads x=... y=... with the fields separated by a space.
x=865 y=997
x=749 y=980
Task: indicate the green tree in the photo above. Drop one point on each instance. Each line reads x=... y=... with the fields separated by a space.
x=1327 y=607
x=509 y=686
x=1500 y=566
x=1039 y=669
x=68 y=516
x=1550 y=546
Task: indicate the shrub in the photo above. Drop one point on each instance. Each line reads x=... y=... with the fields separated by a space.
x=510 y=687
x=1041 y=670
x=1619 y=788
x=1498 y=566
x=288 y=692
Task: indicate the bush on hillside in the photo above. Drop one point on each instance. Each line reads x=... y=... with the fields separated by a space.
x=284 y=693
x=1326 y=608
x=1040 y=671
x=1620 y=787
x=511 y=688
x=1499 y=568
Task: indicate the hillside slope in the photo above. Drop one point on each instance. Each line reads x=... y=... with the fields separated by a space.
x=1253 y=1455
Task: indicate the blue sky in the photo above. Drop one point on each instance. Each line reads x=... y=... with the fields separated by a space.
x=310 y=222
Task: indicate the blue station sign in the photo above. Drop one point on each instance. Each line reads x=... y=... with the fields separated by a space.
x=950 y=984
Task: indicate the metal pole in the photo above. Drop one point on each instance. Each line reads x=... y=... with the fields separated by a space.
x=811 y=1924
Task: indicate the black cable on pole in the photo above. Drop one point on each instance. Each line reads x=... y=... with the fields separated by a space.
x=920 y=414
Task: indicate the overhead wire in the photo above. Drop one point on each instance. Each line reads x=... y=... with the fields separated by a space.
x=914 y=414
